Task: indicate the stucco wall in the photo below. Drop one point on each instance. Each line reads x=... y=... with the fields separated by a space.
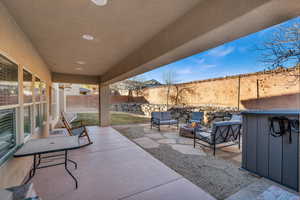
x=275 y=90
x=90 y=103
x=17 y=47
x=82 y=103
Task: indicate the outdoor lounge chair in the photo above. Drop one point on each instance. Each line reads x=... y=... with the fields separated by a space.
x=79 y=130
x=225 y=132
x=162 y=118
x=196 y=117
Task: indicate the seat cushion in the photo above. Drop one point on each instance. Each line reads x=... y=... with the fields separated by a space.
x=197 y=116
x=166 y=116
x=156 y=115
x=236 y=118
x=155 y=121
x=77 y=131
x=204 y=136
x=195 y=121
x=227 y=123
x=168 y=122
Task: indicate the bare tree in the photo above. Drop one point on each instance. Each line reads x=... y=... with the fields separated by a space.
x=180 y=93
x=282 y=49
x=169 y=79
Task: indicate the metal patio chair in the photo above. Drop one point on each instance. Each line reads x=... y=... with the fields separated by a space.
x=162 y=118
x=225 y=132
x=196 y=117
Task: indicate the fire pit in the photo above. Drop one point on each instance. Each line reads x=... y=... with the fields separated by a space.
x=186 y=131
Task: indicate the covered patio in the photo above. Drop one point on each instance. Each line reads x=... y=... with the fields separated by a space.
x=86 y=42
x=115 y=168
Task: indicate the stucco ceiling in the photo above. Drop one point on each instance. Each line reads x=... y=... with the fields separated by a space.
x=56 y=27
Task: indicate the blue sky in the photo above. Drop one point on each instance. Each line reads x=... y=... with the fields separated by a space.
x=236 y=57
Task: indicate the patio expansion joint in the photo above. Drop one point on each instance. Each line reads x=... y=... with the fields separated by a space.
x=151 y=188
x=106 y=150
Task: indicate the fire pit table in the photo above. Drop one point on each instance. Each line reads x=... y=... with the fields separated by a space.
x=188 y=131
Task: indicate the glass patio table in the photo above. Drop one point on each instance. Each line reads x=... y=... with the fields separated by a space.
x=38 y=148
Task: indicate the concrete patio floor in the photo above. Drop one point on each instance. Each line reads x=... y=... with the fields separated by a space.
x=115 y=168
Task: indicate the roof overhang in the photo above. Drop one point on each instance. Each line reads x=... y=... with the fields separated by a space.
x=135 y=36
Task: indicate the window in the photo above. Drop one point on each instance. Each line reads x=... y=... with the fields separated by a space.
x=28 y=99
x=34 y=107
x=27 y=121
x=37 y=89
x=8 y=82
x=7 y=130
x=38 y=118
x=53 y=102
x=27 y=86
x=38 y=97
x=8 y=105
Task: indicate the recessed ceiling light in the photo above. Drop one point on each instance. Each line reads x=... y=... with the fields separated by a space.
x=79 y=68
x=100 y=2
x=80 y=62
x=87 y=37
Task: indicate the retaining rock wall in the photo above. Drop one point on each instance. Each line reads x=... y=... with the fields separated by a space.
x=211 y=113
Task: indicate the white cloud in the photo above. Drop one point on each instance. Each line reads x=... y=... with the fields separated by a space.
x=221 y=51
x=184 y=71
x=208 y=66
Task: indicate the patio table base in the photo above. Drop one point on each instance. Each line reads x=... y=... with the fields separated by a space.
x=38 y=161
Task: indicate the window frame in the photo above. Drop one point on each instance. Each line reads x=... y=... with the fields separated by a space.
x=39 y=103
x=19 y=108
x=31 y=105
x=28 y=137
x=32 y=86
x=18 y=111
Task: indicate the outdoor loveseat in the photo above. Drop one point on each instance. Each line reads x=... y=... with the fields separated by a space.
x=224 y=132
x=162 y=118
